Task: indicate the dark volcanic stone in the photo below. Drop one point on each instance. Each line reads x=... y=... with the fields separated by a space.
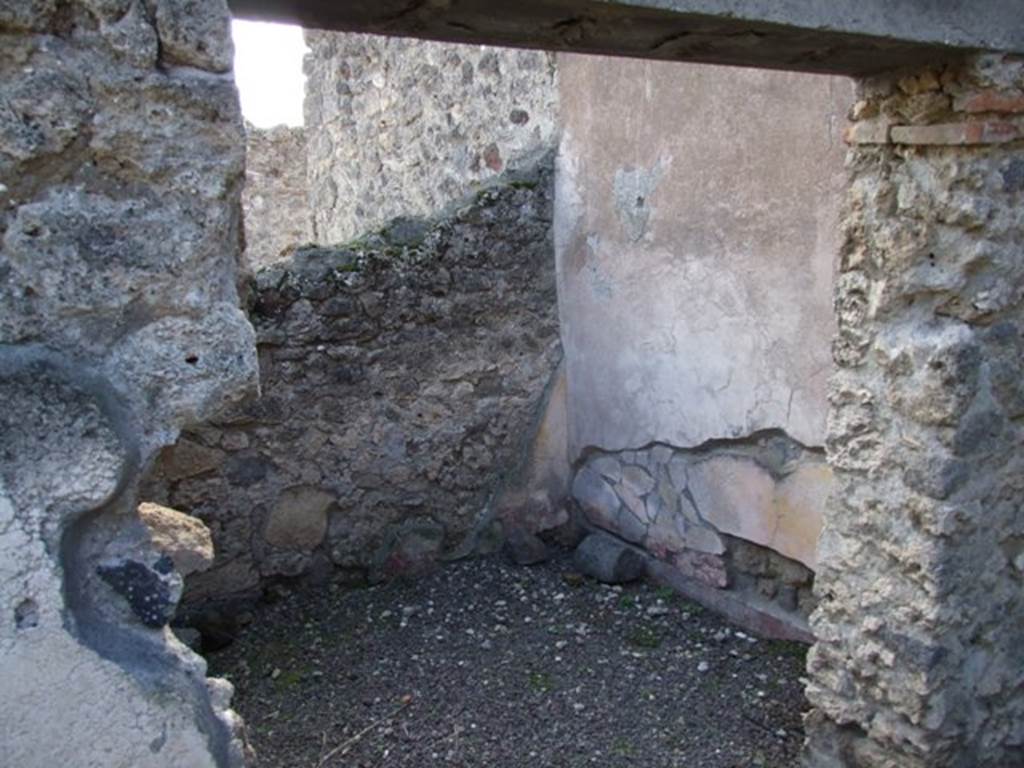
x=146 y=588
x=525 y=548
x=608 y=559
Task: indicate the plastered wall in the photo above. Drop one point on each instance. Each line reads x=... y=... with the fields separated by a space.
x=696 y=235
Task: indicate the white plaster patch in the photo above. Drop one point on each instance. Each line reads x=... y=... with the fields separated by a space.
x=742 y=499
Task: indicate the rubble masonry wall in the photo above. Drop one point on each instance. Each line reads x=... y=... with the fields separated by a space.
x=121 y=157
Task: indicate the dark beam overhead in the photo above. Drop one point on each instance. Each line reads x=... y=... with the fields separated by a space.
x=852 y=37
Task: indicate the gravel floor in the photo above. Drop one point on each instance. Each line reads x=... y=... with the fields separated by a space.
x=485 y=664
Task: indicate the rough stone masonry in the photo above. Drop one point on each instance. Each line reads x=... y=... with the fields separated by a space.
x=921 y=563
x=403 y=379
x=121 y=157
x=275 y=201
x=400 y=127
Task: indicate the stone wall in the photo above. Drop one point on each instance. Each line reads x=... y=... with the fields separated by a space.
x=275 y=202
x=696 y=229
x=921 y=571
x=401 y=127
x=404 y=382
x=120 y=175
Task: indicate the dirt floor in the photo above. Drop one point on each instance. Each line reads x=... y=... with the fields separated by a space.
x=486 y=664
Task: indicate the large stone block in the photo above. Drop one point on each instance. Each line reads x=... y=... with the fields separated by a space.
x=596 y=497
x=201 y=40
x=181 y=537
x=849 y=37
x=608 y=559
x=298 y=519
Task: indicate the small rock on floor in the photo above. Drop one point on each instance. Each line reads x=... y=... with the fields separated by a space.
x=608 y=560
x=525 y=548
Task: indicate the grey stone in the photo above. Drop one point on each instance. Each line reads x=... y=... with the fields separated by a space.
x=298 y=519
x=637 y=479
x=629 y=526
x=608 y=466
x=661 y=502
x=702 y=538
x=51 y=103
x=525 y=548
x=198 y=365
x=151 y=589
x=677 y=470
x=245 y=470
x=193 y=39
x=109 y=10
x=33 y=15
x=661 y=455
x=978 y=431
x=120 y=243
x=608 y=559
x=632 y=501
x=127 y=31
x=596 y=497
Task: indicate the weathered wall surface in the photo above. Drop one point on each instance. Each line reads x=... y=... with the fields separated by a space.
x=120 y=170
x=403 y=379
x=921 y=572
x=696 y=234
x=696 y=230
x=743 y=514
x=275 y=203
x=402 y=127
